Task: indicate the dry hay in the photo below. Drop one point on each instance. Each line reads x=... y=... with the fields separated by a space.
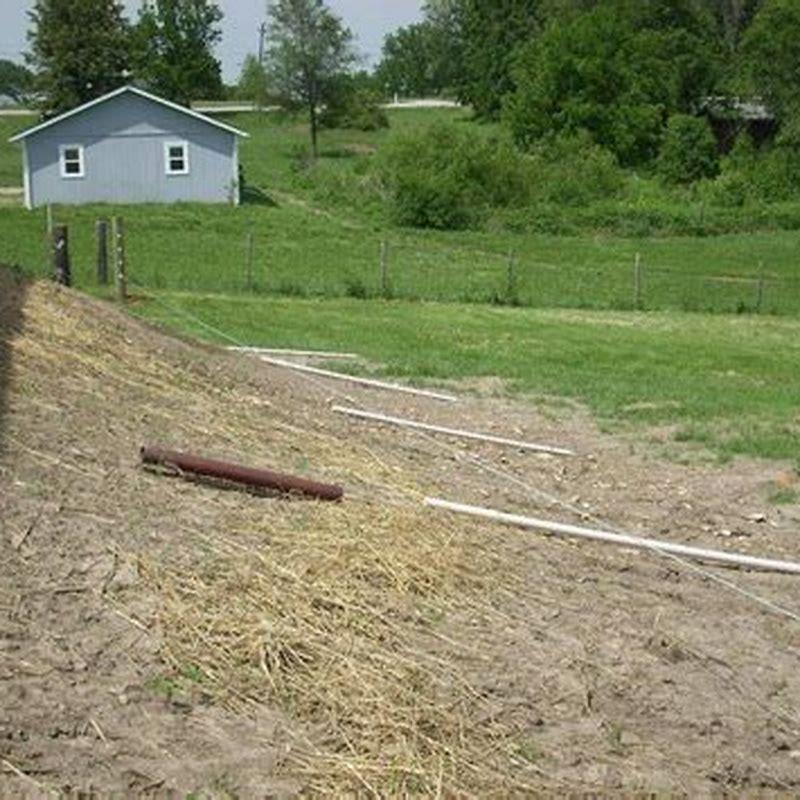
x=410 y=652
x=333 y=612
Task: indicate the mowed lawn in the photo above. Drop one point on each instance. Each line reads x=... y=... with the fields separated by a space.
x=319 y=234
x=729 y=383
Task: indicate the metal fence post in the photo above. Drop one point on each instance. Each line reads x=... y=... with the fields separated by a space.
x=637 y=282
x=760 y=287
x=384 y=268
x=511 y=277
x=251 y=244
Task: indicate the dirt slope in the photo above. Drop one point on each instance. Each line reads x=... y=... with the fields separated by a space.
x=165 y=637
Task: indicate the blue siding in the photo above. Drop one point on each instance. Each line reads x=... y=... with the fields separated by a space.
x=123 y=142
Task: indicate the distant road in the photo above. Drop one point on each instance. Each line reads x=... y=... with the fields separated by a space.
x=238 y=108
x=244 y=108
x=423 y=103
x=230 y=108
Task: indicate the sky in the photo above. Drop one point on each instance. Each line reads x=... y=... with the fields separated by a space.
x=370 y=21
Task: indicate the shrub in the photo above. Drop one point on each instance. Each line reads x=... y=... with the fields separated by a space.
x=448 y=177
x=689 y=150
x=573 y=171
x=767 y=175
x=354 y=104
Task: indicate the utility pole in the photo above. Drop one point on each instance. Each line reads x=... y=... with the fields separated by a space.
x=262 y=32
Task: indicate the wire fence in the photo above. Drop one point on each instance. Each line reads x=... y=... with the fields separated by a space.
x=392 y=270
x=366 y=266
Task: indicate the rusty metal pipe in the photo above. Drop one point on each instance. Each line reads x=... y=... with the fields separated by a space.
x=247 y=476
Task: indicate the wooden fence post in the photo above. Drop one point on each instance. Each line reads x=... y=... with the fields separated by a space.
x=61 y=265
x=250 y=249
x=637 y=282
x=49 y=219
x=384 y=268
x=120 y=265
x=101 y=233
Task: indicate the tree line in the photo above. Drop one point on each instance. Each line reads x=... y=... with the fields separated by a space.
x=631 y=77
x=82 y=49
x=615 y=68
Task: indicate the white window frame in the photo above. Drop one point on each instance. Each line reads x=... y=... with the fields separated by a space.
x=168 y=171
x=62 y=160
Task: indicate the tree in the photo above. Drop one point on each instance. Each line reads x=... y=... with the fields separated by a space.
x=424 y=58
x=308 y=48
x=174 y=43
x=253 y=82
x=689 y=150
x=618 y=71
x=354 y=102
x=732 y=18
x=78 y=50
x=15 y=80
x=491 y=31
x=408 y=63
x=771 y=49
x=446 y=18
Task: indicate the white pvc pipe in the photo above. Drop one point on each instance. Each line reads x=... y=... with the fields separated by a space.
x=623 y=539
x=422 y=426
x=268 y=351
x=393 y=387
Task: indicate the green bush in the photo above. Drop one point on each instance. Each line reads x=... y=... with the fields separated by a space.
x=767 y=175
x=446 y=177
x=573 y=171
x=689 y=150
x=354 y=103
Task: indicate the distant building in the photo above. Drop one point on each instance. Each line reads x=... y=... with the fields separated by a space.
x=130 y=146
x=731 y=116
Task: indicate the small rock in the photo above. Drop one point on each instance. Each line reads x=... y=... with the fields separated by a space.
x=725 y=533
x=756 y=517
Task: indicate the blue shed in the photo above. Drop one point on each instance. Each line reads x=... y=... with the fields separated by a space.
x=130 y=146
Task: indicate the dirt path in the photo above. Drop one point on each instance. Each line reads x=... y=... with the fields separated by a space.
x=134 y=609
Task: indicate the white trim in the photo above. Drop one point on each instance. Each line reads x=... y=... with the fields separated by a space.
x=184 y=145
x=62 y=161
x=116 y=93
x=26 y=177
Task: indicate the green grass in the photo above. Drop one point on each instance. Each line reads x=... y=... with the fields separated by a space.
x=300 y=252
x=729 y=384
x=319 y=233
x=783 y=497
x=11 y=154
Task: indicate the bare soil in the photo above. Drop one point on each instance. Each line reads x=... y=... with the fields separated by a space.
x=159 y=637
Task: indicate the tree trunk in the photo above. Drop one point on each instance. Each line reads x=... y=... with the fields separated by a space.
x=312 y=110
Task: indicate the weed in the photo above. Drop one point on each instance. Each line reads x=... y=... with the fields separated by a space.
x=164 y=686
x=784 y=497
x=528 y=750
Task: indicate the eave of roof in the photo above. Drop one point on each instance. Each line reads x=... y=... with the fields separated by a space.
x=116 y=93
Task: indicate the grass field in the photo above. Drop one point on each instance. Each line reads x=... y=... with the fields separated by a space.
x=316 y=234
x=728 y=383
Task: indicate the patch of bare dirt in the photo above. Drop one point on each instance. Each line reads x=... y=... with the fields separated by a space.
x=160 y=637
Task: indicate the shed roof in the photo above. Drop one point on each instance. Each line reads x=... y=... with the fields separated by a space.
x=116 y=93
